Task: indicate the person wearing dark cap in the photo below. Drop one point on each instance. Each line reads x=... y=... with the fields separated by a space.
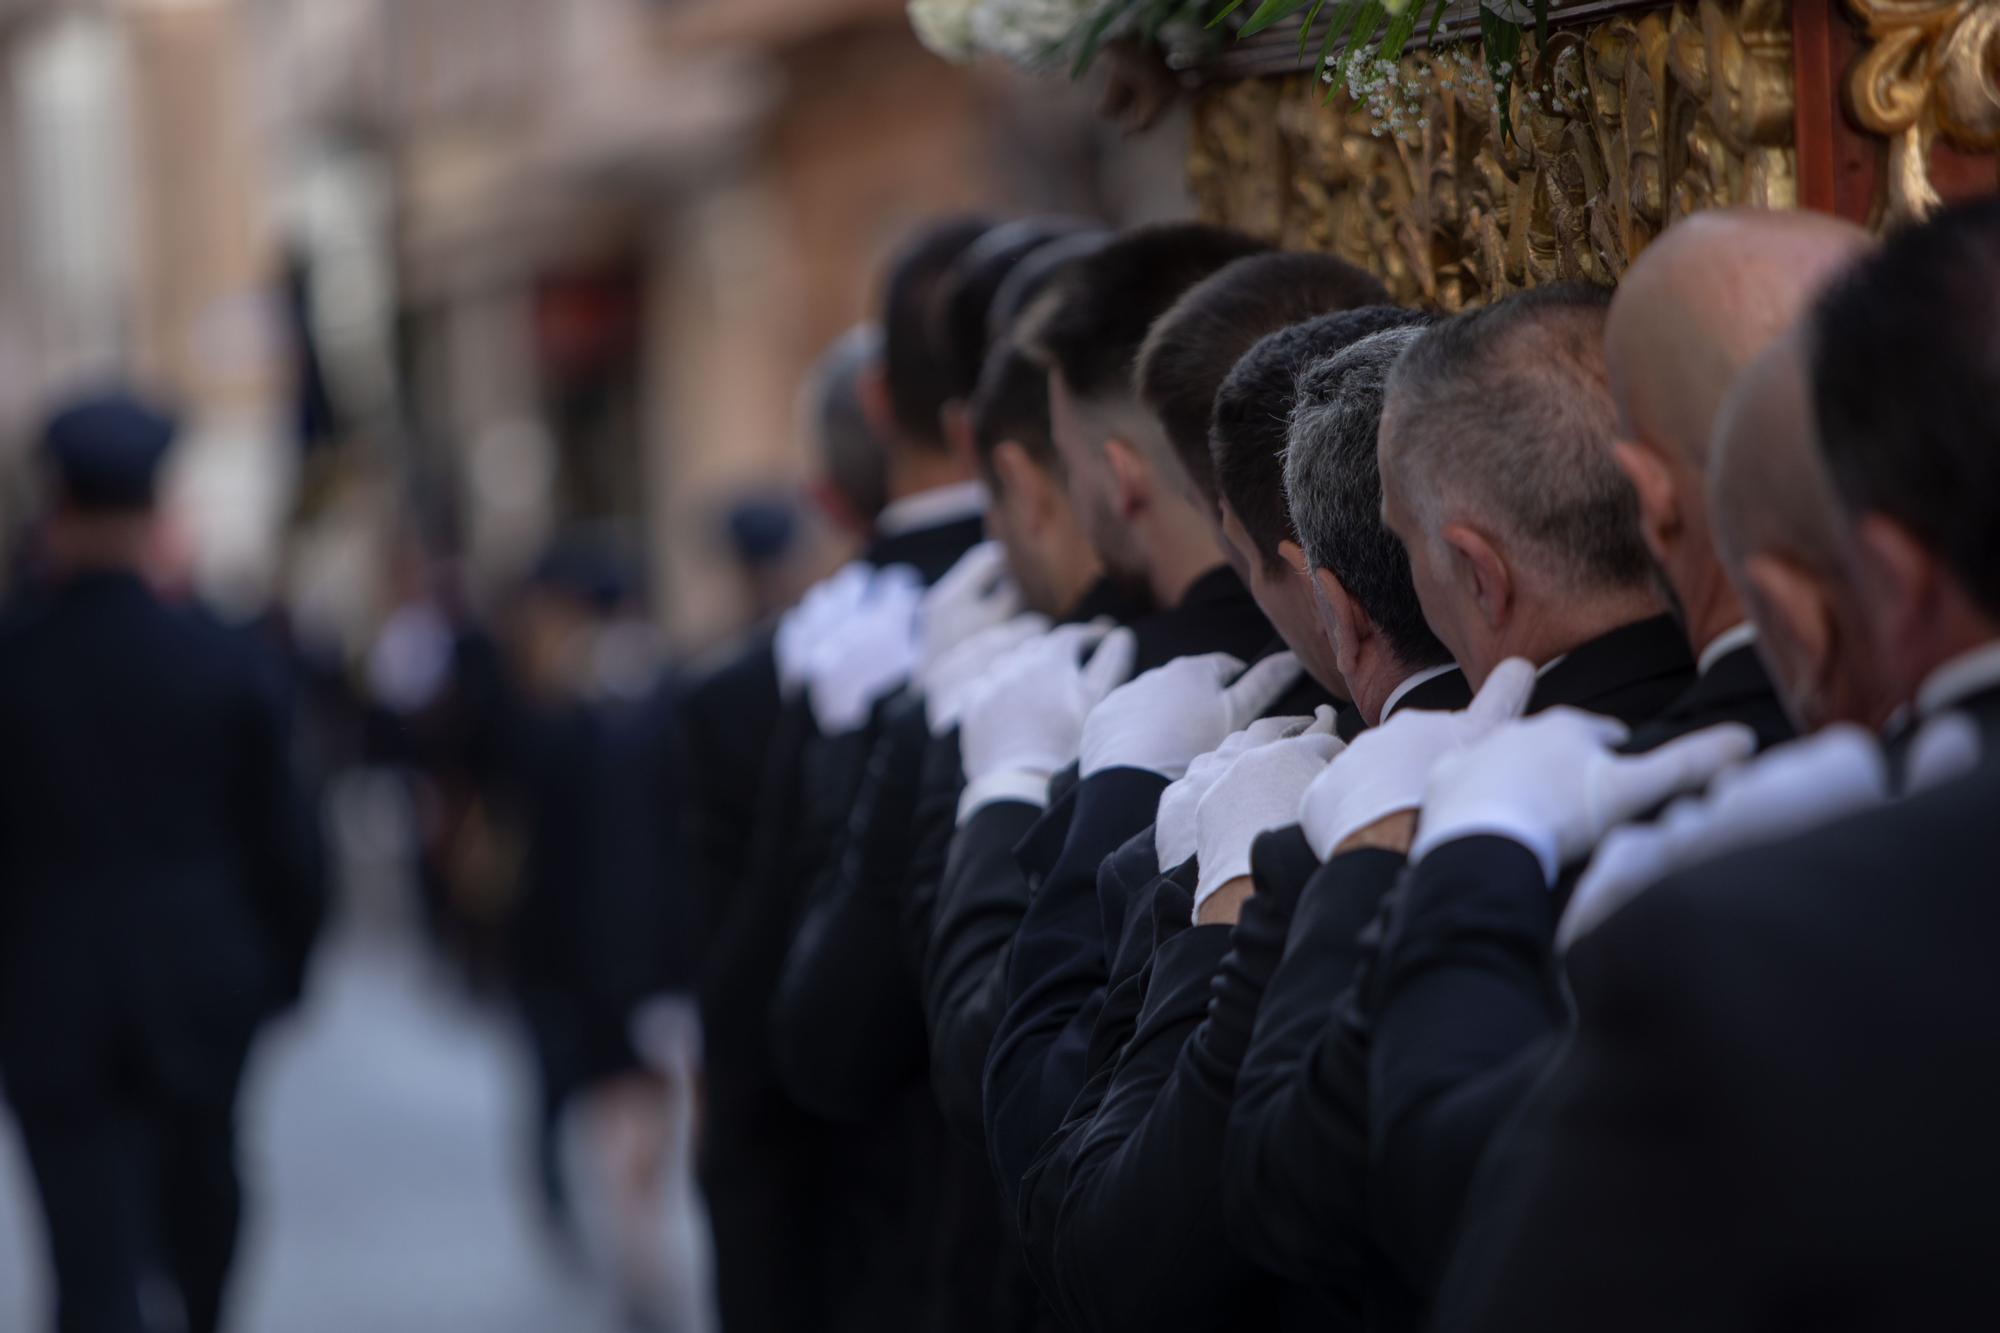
x=160 y=887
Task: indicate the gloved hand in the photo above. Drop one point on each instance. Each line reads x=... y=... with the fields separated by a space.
x=1553 y=783
x=947 y=682
x=1024 y=721
x=802 y=629
x=975 y=594
x=1260 y=791
x=866 y=655
x=1383 y=771
x=1785 y=791
x=1173 y=825
x=1175 y=713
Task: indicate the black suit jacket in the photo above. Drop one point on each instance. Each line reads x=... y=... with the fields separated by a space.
x=1059 y=958
x=160 y=877
x=1140 y=1154
x=1777 y=1110
x=1298 y=1193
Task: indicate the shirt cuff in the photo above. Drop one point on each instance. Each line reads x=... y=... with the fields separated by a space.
x=1016 y=784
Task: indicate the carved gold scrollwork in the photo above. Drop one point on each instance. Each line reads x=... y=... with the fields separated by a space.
x=1618 y=127
x=1933 y=68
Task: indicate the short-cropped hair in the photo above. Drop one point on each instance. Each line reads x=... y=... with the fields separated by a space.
x=913 y=356
x=1089 y=326
x=1192 y=348
x=1253 y=412
x=1905 y=363
x=1512 y=418
x=1334 y=489
x=966 y=305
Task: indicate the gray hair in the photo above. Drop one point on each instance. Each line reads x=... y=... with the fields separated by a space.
x=849 y=449
x=1334 y=489
x=1510 y=417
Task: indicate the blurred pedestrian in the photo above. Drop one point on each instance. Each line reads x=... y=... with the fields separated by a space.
x=159 y=888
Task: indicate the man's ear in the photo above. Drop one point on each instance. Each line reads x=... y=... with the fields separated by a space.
x=1348 y=626
x=1898 y=574
x=1660 y=520
x=1131 y=477
x=1481 y=571
x=871 y=389
x=1796 y=634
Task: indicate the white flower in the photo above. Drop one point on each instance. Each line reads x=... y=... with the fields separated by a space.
x=1027 y=32
x=945 y=26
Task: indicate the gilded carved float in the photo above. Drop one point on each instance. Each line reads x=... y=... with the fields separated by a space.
x=1630 y=115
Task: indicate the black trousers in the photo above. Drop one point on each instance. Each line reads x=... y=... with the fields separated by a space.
x=133 y=1191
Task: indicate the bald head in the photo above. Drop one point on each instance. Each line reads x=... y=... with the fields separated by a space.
x=1768 y=490
x=1700 y=303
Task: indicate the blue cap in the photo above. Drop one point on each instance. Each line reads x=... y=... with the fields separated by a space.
x=106 y=449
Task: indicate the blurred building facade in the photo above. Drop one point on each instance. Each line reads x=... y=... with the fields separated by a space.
x=620 y=230
x=446 y=275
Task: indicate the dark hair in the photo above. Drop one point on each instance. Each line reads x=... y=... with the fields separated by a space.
x=1905 y=352
x=1012 y=403
x=918 y=370
x=1335 y=489
x=966 y=303
x=1253 y=410
x=849 y=450
x=1090 y=325
x=1514 y=415
x=1192 y=348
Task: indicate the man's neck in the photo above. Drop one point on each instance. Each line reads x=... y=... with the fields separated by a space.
x=1556 y=631
x=1178 y=557
x=912 y=471
x=1712 y=610
x=1374 y=681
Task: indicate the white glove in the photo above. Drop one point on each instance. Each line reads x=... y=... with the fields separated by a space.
x=801 y=629
x=1785 y=791
x=1175 y=713
x=975 y=594
x=866 y=655
x=1553 y=783
x=1382 y=772
x=1023 y=722
x=950 y=680
x=1173 y=825
x=1260 y=791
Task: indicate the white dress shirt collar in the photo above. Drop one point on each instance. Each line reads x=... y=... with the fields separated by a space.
x=1410 y=683
x=932 y=508
x=1971 y=672
x=1725 y=643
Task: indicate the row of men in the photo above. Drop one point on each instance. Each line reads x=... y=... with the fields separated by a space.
x=1410 y=820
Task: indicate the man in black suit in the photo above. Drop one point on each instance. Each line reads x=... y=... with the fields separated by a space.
x=1140 y=1156
x=784 y=1188
x=1747 y=1022
x=159 y=888
x=1688 y=316
x=1497 y=477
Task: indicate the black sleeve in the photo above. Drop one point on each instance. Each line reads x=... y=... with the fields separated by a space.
x=1295 y=1156
x=1617 y=1196
x=1464 y=1009
x=1055 y=978
x=1133 y=1200
x=728 y=722
x=846 y=1024
x=933 y=820
x=982 y=895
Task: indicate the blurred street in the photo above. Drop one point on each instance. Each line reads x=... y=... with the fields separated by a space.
x=383 y=1146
